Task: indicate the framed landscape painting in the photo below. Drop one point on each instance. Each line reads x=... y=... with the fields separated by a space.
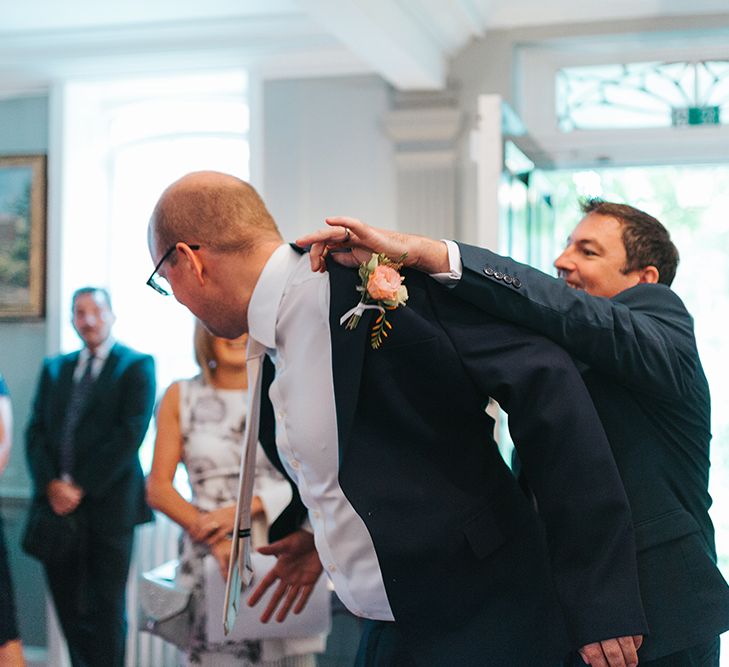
x=22 y=236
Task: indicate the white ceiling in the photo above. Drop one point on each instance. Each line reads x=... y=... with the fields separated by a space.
x=408 y=42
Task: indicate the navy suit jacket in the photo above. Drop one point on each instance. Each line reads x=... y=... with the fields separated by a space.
x=467 y=569
x=107 y=437
x=638 y=356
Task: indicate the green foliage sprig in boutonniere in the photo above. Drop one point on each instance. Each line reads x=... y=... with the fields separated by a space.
x=382 y=290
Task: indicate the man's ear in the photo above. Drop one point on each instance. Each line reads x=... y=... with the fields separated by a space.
x=192 y=261
x=648 y=274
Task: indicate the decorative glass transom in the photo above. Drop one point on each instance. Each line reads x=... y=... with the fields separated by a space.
x=643 y=95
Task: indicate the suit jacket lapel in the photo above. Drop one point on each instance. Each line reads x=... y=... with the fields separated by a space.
x=348 y=347
x=65 y=386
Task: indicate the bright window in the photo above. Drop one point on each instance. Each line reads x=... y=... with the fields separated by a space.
x=131 y=139
x=650 y=94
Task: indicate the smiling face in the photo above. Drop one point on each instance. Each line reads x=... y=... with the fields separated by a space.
x=595 y=258
x=92 y=318
x=230 y=353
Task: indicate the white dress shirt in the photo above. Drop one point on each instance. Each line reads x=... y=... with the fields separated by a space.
x=451 y=278
x=100 y=356
x=289 y=314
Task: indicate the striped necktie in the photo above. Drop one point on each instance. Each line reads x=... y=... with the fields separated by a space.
x=77 y=400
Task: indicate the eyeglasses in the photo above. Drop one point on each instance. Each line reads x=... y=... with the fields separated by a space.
x=152 y=280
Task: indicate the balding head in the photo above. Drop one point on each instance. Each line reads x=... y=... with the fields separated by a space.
x=210 y=236
x=212 y=209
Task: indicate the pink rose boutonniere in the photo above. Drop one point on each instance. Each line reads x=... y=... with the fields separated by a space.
x=382 y=290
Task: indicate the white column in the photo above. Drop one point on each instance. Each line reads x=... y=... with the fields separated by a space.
x=489 y=142
x=425 y=161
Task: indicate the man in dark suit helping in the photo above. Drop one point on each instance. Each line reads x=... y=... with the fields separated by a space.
x=633 y=340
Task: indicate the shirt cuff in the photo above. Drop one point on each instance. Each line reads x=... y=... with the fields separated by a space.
x=451 y=278
x=275 y=496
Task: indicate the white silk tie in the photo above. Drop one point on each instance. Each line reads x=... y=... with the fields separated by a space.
x=240 y=571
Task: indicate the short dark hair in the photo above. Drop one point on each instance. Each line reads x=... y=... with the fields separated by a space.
x=91 y=290
x=647 y=242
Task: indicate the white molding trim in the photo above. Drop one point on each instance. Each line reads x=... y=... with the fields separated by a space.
x=488 y=140
x=536 y=66
x=54 y=216
x=323 y=60
x=274 y=31
x=425 y=160
x=633 y=147
x=11 y=90
x=309 y=64
x=387 y=37
x=423 y=125
x=288 y=46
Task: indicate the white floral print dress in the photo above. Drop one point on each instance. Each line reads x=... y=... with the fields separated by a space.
x=212 y=423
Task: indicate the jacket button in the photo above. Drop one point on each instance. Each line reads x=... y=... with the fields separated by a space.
x=508 y=279
x=516 y=283
x=488 y=271
x=498 y=275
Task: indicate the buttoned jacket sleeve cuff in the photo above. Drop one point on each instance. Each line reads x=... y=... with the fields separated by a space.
x=451 y=278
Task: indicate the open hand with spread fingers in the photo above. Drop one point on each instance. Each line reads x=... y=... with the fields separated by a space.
x=297 y=570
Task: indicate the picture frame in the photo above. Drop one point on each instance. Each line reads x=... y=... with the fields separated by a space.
x=22 y=236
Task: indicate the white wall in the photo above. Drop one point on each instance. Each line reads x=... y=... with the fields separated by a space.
x=326 y=153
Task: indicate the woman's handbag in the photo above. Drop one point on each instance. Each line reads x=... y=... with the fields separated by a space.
x=51 y=537
x=165 y=607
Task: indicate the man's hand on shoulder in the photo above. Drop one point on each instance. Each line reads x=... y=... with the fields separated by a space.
x=618 y=652
x=424 y=254
x=297 y=570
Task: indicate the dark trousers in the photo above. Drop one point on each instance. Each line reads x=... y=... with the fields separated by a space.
x=89 y=595
x=8 y=625
x=382 y=645
x=705 y=654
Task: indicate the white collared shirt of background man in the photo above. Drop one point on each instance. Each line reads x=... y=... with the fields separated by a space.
x=100 y=356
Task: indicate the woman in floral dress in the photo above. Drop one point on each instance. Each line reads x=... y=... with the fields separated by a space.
x=200 y=424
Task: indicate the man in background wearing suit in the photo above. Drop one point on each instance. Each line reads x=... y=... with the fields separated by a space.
x=91 y=412
x=634 y=340
x=418 y=522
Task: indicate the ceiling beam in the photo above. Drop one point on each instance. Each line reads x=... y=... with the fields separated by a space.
x=386 y=37
x=286 y=45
